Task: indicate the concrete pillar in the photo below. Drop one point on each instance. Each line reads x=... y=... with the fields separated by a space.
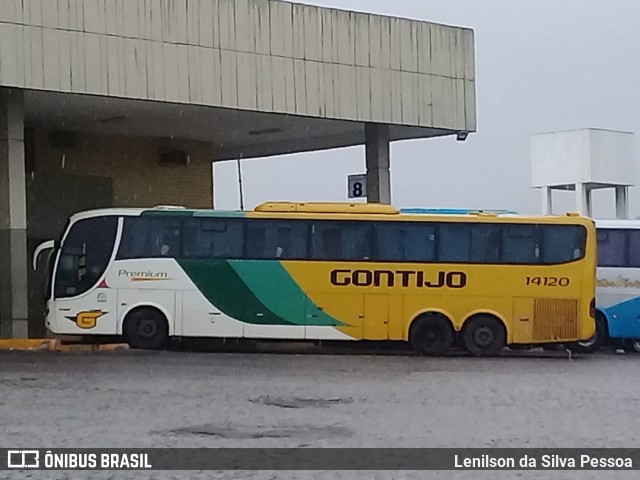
x=13 y=218
x=622 y=202
x=583 y=199
x=547 y=200
x=377 y=157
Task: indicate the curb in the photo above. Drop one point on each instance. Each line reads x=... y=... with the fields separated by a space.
x=108 y=347
x=30 y=344
x=112 y=347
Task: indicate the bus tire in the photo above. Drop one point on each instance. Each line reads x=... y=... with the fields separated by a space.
x=597 y=341
x=146 y=328
x=431 y=334
x=484 y=336
x=633 y=346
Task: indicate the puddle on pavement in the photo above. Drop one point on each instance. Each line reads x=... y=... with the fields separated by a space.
x=17 y=382
x=296 y=402
x=301 y=431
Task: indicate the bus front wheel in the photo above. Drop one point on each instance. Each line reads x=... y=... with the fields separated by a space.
x=146 y=328
x=484 y=336
x=431 y=335
x=632 y=347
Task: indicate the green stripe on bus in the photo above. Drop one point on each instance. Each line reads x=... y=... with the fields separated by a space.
x=224 y=288
x=270 y=282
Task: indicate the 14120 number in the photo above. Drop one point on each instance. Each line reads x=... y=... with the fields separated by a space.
x=548 y=281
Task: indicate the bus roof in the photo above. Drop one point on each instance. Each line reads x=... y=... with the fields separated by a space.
x=453 y=211
x=328 y=210
x=327 y=207
x=622 y=224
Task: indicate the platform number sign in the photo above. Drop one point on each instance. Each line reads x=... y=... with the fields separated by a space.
x=357 y=186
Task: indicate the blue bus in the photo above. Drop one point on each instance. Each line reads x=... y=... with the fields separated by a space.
x=617 y=287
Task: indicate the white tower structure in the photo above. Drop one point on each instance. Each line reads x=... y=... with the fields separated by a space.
x=582 y=161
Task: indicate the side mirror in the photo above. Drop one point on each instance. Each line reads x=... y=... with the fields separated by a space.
x=51 y=244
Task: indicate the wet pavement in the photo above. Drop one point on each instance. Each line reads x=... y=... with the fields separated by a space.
x=181 y=399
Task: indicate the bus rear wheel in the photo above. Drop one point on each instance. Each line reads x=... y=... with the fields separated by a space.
x=146 y=328
x=431 y=335
x=484 y=336
x=594 y=343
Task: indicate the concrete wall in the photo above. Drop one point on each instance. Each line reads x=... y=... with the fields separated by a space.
x=133 y=166
x=263 y=55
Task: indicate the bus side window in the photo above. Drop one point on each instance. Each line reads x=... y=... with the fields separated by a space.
x=150 y=237
x=290 y=239
x=391 y=240
x=284 y=242
x=276 y=239
x=213 y=238
x=405 y=242
x=561 y=243
x=256 y=240
x=357 y=241
x=341 y=241
x=170 y=239
x=612 y=246
x=634 y=248
x=486 y=244
x=454 y=242
x=519 y=245
x=327 y=243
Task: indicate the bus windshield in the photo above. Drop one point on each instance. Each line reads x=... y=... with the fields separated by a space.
x=84 y=255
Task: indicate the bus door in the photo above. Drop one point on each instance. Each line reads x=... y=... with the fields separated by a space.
x=383 y=317
x=376 y=317
x=83 y=301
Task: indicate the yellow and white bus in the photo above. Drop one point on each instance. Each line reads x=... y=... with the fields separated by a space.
x=324 y=271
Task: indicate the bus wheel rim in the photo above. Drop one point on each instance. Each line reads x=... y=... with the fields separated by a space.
x=432 y=336
x=483 y=336
x=147 y=328
x=636 y=345
x=590 y=342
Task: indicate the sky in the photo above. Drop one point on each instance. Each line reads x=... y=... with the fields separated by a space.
x=541 y=66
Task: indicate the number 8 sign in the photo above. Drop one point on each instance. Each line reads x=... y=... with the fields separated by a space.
x=357 y=186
